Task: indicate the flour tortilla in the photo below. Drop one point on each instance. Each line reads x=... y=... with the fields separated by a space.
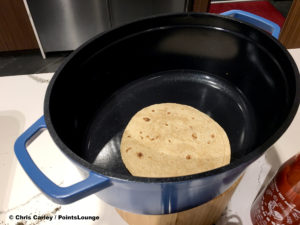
x=169 y=140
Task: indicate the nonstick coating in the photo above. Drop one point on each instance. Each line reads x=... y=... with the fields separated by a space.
x=240 y=76
x=211 y=94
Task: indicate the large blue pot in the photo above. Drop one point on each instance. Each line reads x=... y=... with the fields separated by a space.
x=239 y=75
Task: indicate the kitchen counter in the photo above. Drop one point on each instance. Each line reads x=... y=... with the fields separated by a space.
x=21 y=202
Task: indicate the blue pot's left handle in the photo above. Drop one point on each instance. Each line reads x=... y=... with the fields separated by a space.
x=256 y=20
x=62 y=195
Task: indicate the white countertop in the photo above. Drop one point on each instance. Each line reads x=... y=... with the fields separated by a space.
x=22 y=99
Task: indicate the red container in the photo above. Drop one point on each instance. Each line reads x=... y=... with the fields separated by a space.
x=280 y=202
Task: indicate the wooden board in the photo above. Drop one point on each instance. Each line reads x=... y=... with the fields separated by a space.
x=16 y=32
x=201 y=5
x=205 y=214
x=290 y=33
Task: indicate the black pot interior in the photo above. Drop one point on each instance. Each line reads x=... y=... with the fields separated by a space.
x=236 y=74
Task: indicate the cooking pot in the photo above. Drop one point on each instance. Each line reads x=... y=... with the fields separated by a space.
x=236 y=73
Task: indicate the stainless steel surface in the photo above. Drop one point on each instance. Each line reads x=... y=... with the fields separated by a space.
x=229 y=1
x=124 y=11
x=63 y=25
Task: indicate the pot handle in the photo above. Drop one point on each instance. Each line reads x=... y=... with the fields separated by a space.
x=253 y=19
x=62 y=195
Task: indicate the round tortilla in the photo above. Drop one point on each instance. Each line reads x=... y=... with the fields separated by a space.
x=169 y=140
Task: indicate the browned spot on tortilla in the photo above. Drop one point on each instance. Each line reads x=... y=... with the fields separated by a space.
x=146 y=119
x=139 y=154
x=212 y=136
x=188 y=157
x=129 y=136
x=191 y=127
x=169 y=141
x=194 y=135
x=193 y=118
x=168 y=113
x=208 y=142
x=166 y=124
x=142 y=137
x=128 y=149
x=152 y=139
x=157 y=137
x=141 y=132
x=153 y=110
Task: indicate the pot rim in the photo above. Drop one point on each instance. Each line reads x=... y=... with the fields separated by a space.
x=246 y=160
